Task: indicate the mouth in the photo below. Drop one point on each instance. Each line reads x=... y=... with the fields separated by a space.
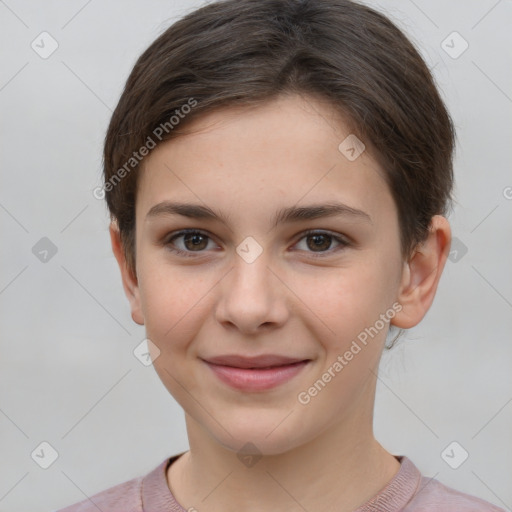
x=255 y=373
x=254 y=362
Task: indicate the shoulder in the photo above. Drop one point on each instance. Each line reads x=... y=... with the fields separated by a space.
x=124 y=497
x=432 y=495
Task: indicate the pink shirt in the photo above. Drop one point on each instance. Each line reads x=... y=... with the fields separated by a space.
x=408 y=491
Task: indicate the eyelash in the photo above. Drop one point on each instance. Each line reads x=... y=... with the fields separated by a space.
x=342 y=241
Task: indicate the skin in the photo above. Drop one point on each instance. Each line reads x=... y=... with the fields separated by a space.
x=247 y=164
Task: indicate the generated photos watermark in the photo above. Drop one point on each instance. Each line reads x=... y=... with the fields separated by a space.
x=304 y=397
x=157 y=135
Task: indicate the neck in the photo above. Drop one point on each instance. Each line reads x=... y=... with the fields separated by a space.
x=340 y=469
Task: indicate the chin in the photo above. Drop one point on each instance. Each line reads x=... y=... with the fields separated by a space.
x=257 y=435
x=257 y=446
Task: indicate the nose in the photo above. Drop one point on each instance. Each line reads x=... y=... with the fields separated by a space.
x=253 y=297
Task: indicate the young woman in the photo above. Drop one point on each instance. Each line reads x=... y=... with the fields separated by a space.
x=278 y=174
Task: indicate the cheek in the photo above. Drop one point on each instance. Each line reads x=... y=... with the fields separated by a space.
x=174 y=304
x=346 y=300
x=173 y=301
x=350 y=302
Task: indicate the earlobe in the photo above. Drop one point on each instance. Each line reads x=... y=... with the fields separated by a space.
x=130 y=285
x=421 y=274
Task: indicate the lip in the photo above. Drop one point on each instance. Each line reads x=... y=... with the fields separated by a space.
x=255 y=373
x=261 y=361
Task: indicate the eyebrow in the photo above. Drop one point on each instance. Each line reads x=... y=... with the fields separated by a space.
x=285 y=215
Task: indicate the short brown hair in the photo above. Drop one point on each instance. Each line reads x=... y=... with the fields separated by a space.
x=247 y=52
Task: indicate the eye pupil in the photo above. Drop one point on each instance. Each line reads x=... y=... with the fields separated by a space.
x=196 y=239
x=319 y=241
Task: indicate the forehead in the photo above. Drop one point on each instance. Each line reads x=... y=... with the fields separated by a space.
x=289 y=151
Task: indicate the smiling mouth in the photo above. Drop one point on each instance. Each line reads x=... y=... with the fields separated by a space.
x=254 y=362
x=257 y=378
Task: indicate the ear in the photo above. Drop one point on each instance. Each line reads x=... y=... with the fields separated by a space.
x=421 y=274
x=130 y=285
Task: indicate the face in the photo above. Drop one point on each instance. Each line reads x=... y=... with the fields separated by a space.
x=266 y=272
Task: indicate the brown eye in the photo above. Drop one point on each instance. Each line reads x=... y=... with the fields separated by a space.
x=188 y=242
x=320 y=242
x=195 y=241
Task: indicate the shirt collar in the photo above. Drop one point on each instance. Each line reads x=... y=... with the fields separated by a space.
x=156 y=495
x=398 y=492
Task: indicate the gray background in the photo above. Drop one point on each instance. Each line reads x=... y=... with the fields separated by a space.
x=68 y=375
